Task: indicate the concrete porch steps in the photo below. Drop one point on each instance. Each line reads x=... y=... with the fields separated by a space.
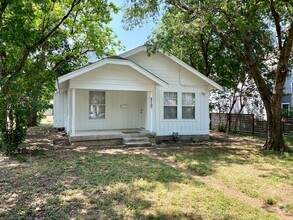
x=137 y=142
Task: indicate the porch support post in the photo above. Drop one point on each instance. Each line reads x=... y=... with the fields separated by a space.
x=73 y=112
x=151 y=111
x=68 y=112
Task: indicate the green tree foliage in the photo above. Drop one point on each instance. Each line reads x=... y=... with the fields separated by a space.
x=259 y=35
x=16 y=108
x=203 y=50
x=199 y=48
x=39 y=41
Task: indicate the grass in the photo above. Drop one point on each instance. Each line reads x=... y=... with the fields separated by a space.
x=21 y=158
x=45 y=123
x=75 y=185
x=289 y=140
x=238 y=163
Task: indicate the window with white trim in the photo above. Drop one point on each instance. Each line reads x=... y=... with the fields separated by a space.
x=285 y=106
x=97 y=105
x=170 y=105
x=188 y=105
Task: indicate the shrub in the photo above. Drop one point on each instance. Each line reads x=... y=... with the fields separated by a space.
x=14 y=112
x=221 y=128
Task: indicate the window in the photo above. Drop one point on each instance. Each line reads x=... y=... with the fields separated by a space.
x=170 y=105
x=188 y=105
x=97 y=105
x=285 y=106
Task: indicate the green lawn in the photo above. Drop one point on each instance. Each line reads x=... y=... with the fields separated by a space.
x=238 y=163
x=74 y=185
x=289 y=140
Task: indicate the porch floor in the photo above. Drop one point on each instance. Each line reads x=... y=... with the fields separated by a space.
x=92 y=135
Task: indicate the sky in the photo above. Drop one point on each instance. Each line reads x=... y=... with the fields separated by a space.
x=129 y=39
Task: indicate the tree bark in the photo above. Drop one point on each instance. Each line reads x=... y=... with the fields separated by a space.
x=272 y=102
x=275 y=140
x=33 y=119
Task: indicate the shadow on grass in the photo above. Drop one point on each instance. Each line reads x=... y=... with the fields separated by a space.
x=205 y=160
x=83 y=185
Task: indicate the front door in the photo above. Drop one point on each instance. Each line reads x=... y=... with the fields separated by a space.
x=128 y=109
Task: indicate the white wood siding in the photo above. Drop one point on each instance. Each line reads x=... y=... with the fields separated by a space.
x=113 y=77
x=123 y=110
x=128 y=97
x=199 y=125
x=166 y=69
x=60 y=110
x=180 y=80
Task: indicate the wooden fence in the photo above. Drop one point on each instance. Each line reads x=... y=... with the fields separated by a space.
x=244 y=123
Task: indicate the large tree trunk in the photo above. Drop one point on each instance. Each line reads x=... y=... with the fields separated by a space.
x=275 y=140
x=272 y=101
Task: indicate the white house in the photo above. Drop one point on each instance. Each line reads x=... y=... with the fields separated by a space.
x=133 y=91
x=287 y=100
x=251 y=99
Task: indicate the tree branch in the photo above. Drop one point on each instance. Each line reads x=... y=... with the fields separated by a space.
x=3 y=57
x=3 y=6
x=46 y=19
x=69 y=57
x=28 y=49
x=183 y=7
x=191 y=60
x=276 y=17
x=74 y=20
x=251 y=64
x=203 y=49
x=228 y=43
x=44 y=38
x=214 y=57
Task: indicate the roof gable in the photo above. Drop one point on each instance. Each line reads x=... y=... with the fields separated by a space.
x=114 y=61
x=176 y=60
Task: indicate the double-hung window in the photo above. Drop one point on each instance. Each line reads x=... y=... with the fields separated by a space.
x=188 y=105
x=97 y=105
x=170 y=105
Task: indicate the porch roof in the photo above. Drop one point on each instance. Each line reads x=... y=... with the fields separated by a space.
x=114 y=60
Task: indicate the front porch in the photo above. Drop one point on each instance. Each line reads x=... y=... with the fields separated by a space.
x=109 y=137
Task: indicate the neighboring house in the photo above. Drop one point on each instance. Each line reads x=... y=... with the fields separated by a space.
x=158 y=93
x=221 y=100
x=287 y=100
x=246 y=100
